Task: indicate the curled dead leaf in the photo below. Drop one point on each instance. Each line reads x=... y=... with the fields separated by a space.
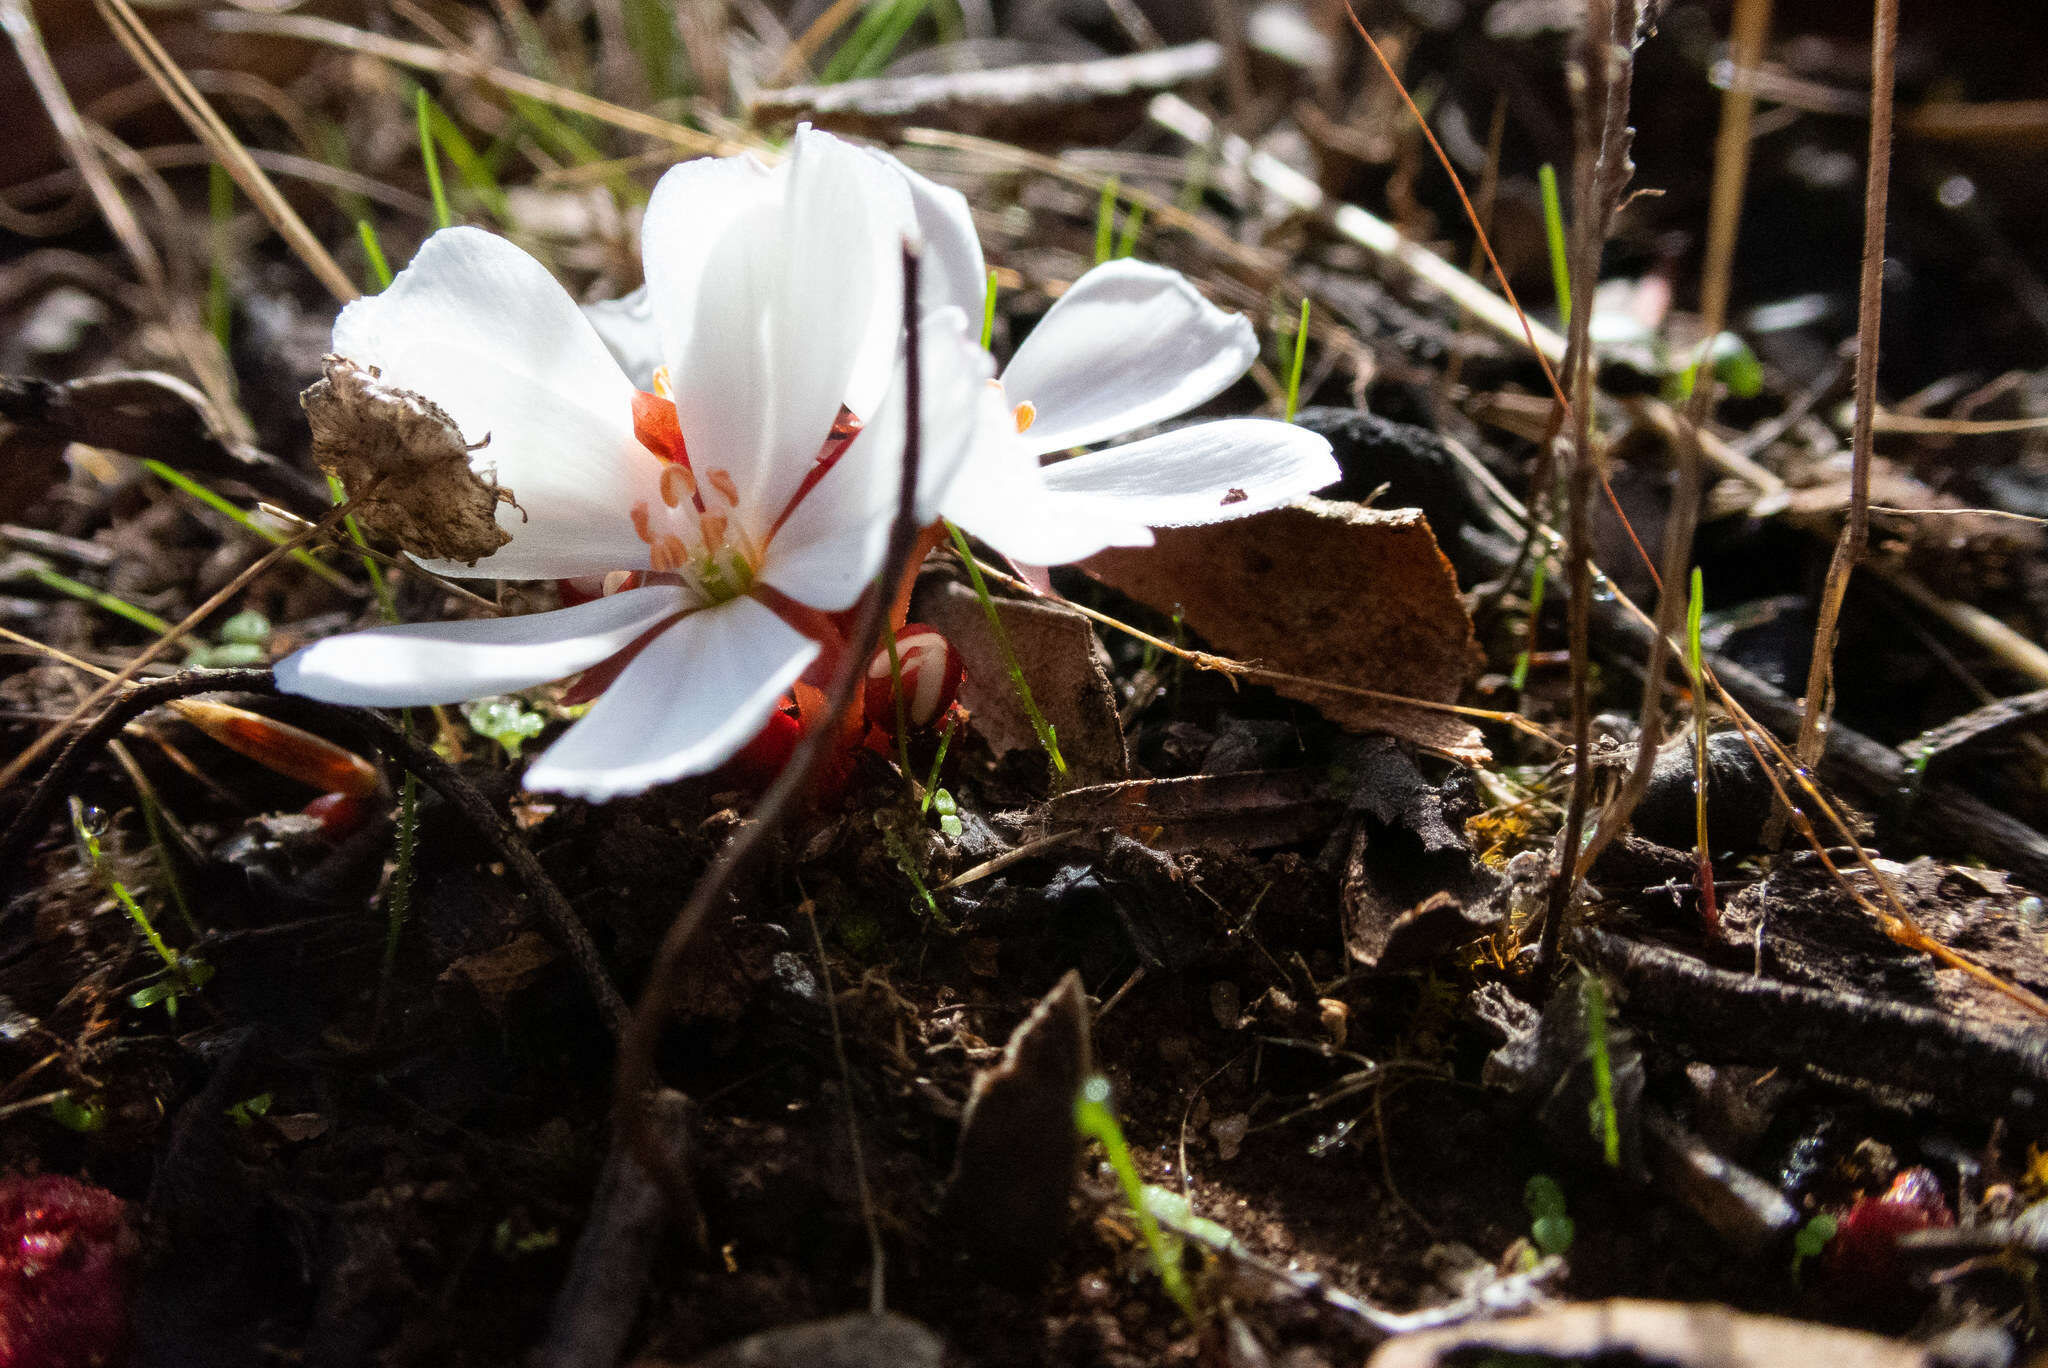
x=1337 y=591
x=404 y=458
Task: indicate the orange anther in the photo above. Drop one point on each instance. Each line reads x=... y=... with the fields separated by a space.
x=722 y=481
x=640 y=527
x=713 y=527
x=677 y=484
x=1026 y=414
x=662 y=386
x=670 y=553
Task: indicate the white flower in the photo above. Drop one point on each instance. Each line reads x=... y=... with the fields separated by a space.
x=734 y=500
x=1129 y=345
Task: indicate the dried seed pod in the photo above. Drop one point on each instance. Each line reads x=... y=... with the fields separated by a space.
x=404 y=457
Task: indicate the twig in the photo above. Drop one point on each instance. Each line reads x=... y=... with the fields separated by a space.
x=1731 y=167
x=987 y=99
x=600 y=1299
x=643 y=1029
x=1600 y=172
x=1869 y=310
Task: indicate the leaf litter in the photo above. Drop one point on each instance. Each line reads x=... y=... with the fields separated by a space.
x=1296 y=958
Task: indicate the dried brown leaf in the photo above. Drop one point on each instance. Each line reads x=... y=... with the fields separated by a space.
x=404 y=458
x=1335 y=591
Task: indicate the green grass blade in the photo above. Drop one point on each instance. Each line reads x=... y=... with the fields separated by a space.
x=1553 y=231
x=1094 y=1119
x=1294 y=370
x=1105 y=222
x=98 y=598
x=220 y=204
x=1605 y=1123
x=1047 y=737
x=1519 y=676
x=373 y=253
x=179 y=480
x=422 y=105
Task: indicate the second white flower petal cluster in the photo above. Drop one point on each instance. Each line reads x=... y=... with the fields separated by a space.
x=718 y=457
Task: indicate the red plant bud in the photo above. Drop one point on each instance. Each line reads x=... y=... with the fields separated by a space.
x=278 y=746
x=338 y=813
x=1863 y=1259
x=931 y=670
x=64 y=1252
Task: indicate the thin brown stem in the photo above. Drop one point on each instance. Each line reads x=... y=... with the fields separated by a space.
x=1731 y=171
x=636 y=1077
x=1600 y=173
x=1849 y=547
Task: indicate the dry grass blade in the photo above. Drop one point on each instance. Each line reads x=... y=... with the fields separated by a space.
x=225 y=146
x=1869 y=312
x=423 y=57
x=209 y=367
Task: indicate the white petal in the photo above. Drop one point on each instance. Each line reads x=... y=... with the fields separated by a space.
x=693 y=207
x=792 y=307
x=1129 y=345
x=954 y=272
x=447 y=662
x=626 y=326
x=1207 y=473
x=687 y=703
x=482 y=329
x=1001 y=496
x=831 y=546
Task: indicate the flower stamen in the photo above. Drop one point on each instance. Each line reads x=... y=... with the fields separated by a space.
x=1025 y=413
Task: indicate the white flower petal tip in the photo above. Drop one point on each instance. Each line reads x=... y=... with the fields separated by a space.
x=688 y=702
x=1207 y=473
x=450 y=662
x=1129 y=345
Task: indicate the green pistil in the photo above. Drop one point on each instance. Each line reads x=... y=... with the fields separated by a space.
x=725 y=578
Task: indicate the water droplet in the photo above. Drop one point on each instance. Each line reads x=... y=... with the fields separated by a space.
x=1332 y=1139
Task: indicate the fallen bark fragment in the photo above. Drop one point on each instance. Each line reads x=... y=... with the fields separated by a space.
x=1019 y=1149
x=1669 y=1333
x=1336 y=591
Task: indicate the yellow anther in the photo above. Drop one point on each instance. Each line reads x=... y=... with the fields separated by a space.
x=1026 y=414
x=662 y=386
